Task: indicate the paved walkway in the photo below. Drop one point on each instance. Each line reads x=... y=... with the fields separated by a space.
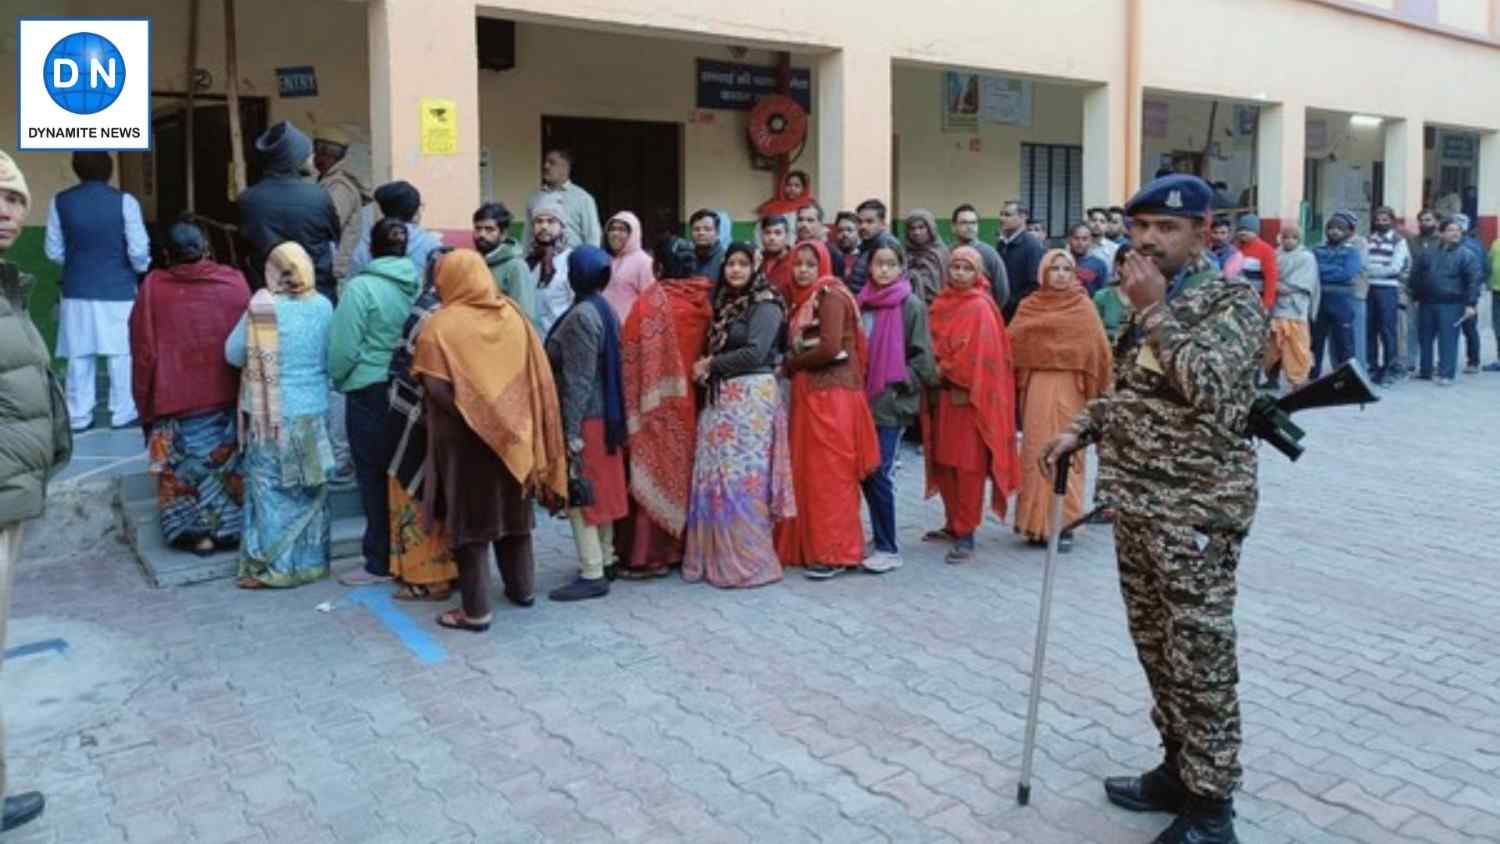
x=863 y=709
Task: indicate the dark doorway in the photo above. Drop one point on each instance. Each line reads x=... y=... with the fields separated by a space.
x=628 y=165
x=211 y=157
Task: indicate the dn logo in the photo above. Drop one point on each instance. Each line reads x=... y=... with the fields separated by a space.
x=84 y=73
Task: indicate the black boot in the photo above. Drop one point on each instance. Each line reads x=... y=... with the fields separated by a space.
x=1158 y=790
x=22 y=808
x=1203 y=821
x=581 y=589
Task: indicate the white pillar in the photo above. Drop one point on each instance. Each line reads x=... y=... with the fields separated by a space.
x=1404 y=164
x=1489 y=186
x=853 y=119
x=1104 y=146
x=1281 y=153
x=415 y=54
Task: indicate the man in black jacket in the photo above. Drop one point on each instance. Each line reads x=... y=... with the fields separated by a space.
x=1021 y=253
x=873 y=234
x=285 y=205
x=1445 y=281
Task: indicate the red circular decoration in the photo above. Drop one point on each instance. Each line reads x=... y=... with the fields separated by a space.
x=777 y=125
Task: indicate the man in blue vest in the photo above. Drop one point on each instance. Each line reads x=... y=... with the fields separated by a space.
x=95 y=231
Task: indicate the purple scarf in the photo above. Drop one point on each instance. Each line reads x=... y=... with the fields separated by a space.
x=887 y=347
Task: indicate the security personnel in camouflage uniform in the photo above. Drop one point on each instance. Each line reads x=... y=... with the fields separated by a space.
x=1179 y=467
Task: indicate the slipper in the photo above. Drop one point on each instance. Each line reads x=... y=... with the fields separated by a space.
x=644 y=574
x=939 y=535
x=248 y=582
x=415 y=592
x=456 y=620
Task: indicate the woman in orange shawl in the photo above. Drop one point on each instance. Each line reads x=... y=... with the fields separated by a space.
x=495 y=434
x=794 y=194
x=1063 y=360
x=833 y=440
x=661 y=339
x=970 y=430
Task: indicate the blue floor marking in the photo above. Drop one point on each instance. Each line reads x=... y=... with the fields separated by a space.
x=38 y=647
x=377 y=599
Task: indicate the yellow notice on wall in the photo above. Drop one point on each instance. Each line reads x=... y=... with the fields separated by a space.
x=439 y=126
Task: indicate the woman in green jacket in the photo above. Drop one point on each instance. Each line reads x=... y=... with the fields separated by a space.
x=367 y=327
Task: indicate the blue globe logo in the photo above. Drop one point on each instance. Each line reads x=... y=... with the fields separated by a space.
x=84 y=73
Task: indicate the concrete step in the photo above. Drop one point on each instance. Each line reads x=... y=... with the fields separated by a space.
x=135 y=506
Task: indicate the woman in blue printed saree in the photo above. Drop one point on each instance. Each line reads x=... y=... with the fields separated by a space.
x=282 y=346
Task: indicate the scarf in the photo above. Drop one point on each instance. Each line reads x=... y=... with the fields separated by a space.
x=1060 y=331
x=731 y=304
x=609 y=375
x=780 y=205
x=543 y=255
x=662 y=338
x=927 y=265
x=973 y=353
x=289 y=275
x=485 y=347
x=887 y=347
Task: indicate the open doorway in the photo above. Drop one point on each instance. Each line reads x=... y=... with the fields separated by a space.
x=211 y=157
x=628 y=165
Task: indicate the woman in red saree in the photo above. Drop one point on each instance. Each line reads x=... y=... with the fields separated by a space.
x=663 y=336
x=1062 y=361
x=833 y=440
x=970 y=430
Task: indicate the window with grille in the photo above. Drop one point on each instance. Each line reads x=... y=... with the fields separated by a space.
x=1052 y=185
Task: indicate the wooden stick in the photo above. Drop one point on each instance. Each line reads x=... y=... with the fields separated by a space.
x=232 y=60
x=192 y=66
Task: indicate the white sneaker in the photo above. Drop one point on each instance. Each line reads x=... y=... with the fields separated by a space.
x=882 y=562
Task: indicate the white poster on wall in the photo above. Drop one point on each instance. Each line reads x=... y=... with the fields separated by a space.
x=1005 y=100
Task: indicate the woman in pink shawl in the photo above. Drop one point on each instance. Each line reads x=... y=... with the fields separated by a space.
x=630 y=269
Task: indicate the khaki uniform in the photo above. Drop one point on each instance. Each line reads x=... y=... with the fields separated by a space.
x=1178 y=467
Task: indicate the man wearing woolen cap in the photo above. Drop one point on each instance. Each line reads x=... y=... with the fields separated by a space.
x=1258 y=259
x=1179 y=469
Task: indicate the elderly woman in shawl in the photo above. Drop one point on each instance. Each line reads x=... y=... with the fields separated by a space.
x=926 y=254
x=421 y=561
x=660 y=341
x=495 y=434
x=834 y=447
x=281 y=344
x=1063 y=360
x=970 y=435
x=185 y=391
x=584 y=349
x=630 y=268
x=741 y=469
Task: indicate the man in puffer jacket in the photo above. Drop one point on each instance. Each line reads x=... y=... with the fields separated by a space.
x=35 y=440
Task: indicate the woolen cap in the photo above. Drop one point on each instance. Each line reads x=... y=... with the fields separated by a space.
x=11 y=178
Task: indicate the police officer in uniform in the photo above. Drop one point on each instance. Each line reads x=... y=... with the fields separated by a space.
x=1179 y=467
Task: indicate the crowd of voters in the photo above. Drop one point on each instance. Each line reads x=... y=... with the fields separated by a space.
x=705 y=405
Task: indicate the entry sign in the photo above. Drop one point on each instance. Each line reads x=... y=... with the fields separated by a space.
x=728 y=85
x=297 y=81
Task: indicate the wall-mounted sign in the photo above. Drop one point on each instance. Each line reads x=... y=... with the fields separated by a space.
x=297 y=81
x=734 y=86
x=439 y=126
x=971 y=97
x=1457 y=147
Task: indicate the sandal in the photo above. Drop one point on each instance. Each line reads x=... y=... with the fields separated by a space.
x=644 y=574
x=418 y=592
x=205 y=548
x=248 y=582
x=939 y=535
x=456 y=620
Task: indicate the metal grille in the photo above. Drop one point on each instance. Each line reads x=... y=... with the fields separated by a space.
x=1052 y=185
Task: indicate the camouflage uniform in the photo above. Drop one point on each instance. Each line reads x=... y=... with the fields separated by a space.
x=1179 y=469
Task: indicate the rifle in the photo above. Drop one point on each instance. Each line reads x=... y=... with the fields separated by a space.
x=1271 y=418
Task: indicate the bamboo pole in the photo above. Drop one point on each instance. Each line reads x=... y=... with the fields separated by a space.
x=192 y=107
x=232 y=89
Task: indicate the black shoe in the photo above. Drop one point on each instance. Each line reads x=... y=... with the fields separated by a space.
x=580 y=589
x=1158 y=790
x=22 y=808
x=1202 y=821
x=522 y=601
x=1065 y=543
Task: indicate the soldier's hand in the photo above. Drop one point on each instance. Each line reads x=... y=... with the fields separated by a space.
x=1062 y=444
x=1141 y=281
